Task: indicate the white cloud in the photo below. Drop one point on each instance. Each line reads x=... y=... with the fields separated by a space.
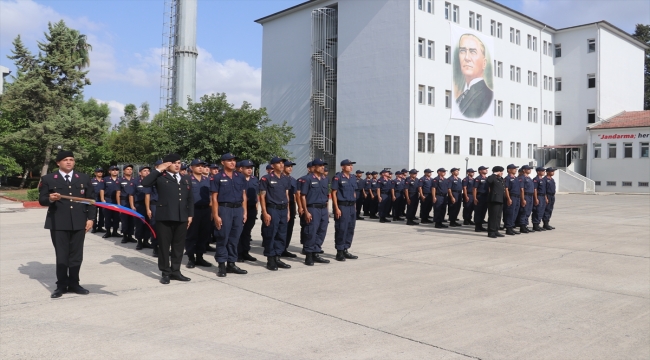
x=117 y=110
x=565 y=13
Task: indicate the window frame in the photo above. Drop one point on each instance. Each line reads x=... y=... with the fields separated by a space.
x=557 y=116
x=500 y=148
x=421 y=47
x=431 y=143
x=447 y=99
x=591 y=81
x=447 y=54
x=421 y=142
x=558 y=84
x=431 y=50
x=644 y=146
x=421 y=89
x=591 y=113
x=591 y=46
x=628 y=149
x=456 y=145
x=479 y=147
x=598 y=151
x=558 y=51
x=431 y=96
x=499 y=30
x=472 y=146
x=493 y=148
x=610 y=147
x=518 y=148
x=447 y=144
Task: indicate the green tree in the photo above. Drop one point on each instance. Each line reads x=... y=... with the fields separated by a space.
x=129 y=141
x=642 y=33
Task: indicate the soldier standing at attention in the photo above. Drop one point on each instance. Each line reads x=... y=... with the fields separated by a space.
x=550 y=195
x=126 y=188
x=183 y=171
x=252 y=190
x=344 y=192
x=384 y=187
x=374 y=199
x=481 y=192
x=468 y=197
x=107 y=194
x=301 y=210
x=412 y=194
x=398 y=195
x=439 y=192
x=142 y=232
x=274 y=201
x=513 y=200
x=67 y=221
x=527 y=203
x=368 y=195
x=361 y=193
x=198 y=234
x=314 y=196
x=455 y=197
x=425 y=197
x=150 y=204
x=214 y=169
x=288 y=169
x=539 y=198
x=98 y=183
x=495 y=201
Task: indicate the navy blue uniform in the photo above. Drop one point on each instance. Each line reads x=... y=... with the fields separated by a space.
x=198 y=234
x=274 y=236
x=127 y=187
x=346 y=196
x=482 y=192
x=360 y=185
x=385 y=186
x=97 y=185
x=510 y=212
x=456 y=186
x=303 y=223
x=315 y=191
x=374 y=202
x=367 y=186
x=142 y=232
x=230 y=197
x=245 y=238
x=153 y=202
x=550 y=194
x=440 y=206
x=292 y=210
x=538 y=210
x=427 y=202
x=412 y=186
x=524 y=211
x=468 y=206
x=398 y=204
x=110 y=187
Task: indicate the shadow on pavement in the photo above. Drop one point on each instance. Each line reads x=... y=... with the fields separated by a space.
x=143 y=266
x=45 y=274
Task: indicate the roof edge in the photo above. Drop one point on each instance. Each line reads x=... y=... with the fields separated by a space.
x=615 y=29
x=286 y=11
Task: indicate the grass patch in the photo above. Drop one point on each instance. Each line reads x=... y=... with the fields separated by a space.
x=16 y=194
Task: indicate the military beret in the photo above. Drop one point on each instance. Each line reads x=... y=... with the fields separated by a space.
x=64 y=154
x=171 y=158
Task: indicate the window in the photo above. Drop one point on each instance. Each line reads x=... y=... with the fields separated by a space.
x=456 y=14
x=626 y=183
x=447 y=11
x=512 y=149
x=644 y=149
x=499 y=68
x=479 y=22
x=447 y=144
x=591 y=116
x=558 y=50
x=597 y=183
x=534 y=43
x=479 y=147
x=611 y=150
x=558 y=118
x=518 y=112
x=518 y=149
x=430 y=6
x=447 y=99
x=512 y=72
x=431 y=46
x=431 y=143
x=550 y=83
x=591 y=81
x=517 y=37
x=447 y=55
x=431 y=92
x=420 y=142
x=472 y=146
x=627 y=150
x=493 y=148
x=420 y=4
x=643 y=183
x=544 y=49
x=535 y=79
x=550 y=49
x=512 y=111
x=456 y=144
x=529 y=43
x=421 y=47
x=545 y=82
x=493 y=28
x=512 y=35
x=500 y=108
x=499 y=31
x=591 y=45
x=530 y=114
x=545 y=117
x=420 y=94
x=597 y=150
x=530 y=78
x=611 y=183
x=518 y=75
x=530 y=151
x=535 y=115
x=472 y=19
x=558 y=84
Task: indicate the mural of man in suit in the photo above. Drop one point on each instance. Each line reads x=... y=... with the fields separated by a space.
x=475 y=96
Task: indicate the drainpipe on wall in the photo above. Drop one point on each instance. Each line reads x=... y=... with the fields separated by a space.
x=598 y=71
x=541 y=99
x=415 y=84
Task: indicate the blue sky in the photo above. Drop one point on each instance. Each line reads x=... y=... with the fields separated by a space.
x=126 y=36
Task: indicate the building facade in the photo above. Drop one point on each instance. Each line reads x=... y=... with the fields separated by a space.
x=393 y=92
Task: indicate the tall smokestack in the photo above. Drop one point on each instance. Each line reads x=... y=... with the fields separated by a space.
x=185 y=52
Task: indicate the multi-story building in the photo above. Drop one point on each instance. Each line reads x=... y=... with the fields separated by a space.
x=384 y=82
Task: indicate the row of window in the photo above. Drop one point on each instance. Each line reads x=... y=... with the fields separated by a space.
x=627 y=150
x=623 y=183
x=427 y=48
x=427 y=142
x=431 y=96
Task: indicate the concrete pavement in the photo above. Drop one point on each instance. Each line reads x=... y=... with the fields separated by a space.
x=581 y=291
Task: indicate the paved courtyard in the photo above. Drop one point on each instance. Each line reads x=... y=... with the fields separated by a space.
x=581 y=291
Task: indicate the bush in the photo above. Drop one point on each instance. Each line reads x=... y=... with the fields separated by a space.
x=32 y=195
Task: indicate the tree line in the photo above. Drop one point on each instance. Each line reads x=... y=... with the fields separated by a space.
x=43 y=109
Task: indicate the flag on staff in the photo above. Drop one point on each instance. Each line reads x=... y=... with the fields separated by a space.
x=114 y=207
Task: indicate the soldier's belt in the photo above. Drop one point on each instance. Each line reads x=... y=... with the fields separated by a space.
x=230 y=204
x=317 y=206
x=276 y=206
x=346 y=203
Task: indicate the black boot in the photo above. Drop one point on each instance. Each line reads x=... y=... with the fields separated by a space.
x=537 y=228
x=319 y=259
x=139 y=245
x=309 y=259
x=411 y=222
x=547 y=226
x=492 y=235
x=466 y=222
x=246 y=256
x=347 y=255
x=94 y=230
x=498 y=234
x=339 y=255
x=384 y=220
x=115 y=233
x=200 y=261
x=524 y=229
x=286 y=253
x=221 y=271
x=124 y=240
x=440 y=225
x=154 y=253
x=233 y=268
x=107 y=234
x=190 y=262
x=281 y=264
x=509 y=231
x=271 y=263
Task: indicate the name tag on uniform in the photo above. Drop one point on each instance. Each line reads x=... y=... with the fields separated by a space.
x=344 y=182
x=273 y=182
x=223 y=180
x=124 y=183
x=314 y=182
x=140 y=186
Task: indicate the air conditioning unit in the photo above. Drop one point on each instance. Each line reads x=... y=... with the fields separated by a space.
x=533 y=163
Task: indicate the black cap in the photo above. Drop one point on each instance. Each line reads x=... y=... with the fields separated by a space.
x=470 y=170
x=540 y=168
x=482 y=168
x=442 y=170
x=454 y=169
x=127 y=166
x=427 y=170
x=183 y=166
x=512 y=166
x=497 y=168
x=228 y=156
x=269 y=167
x=99 y=170
x=158 y=162
x=318 y=162
x=198 y=162
x=64 y=154
x=214 y=166
x=359 y=171
x=347 y=162
x=113 y=167
x=309 y=164
x=289 y=163
x=413 y=171
x=374 y=173
x=526 y=167
x=171 y=158
x=144 y=167
x=550 y=169
x=246 y=163
x=404 y=171
x=276 y=160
